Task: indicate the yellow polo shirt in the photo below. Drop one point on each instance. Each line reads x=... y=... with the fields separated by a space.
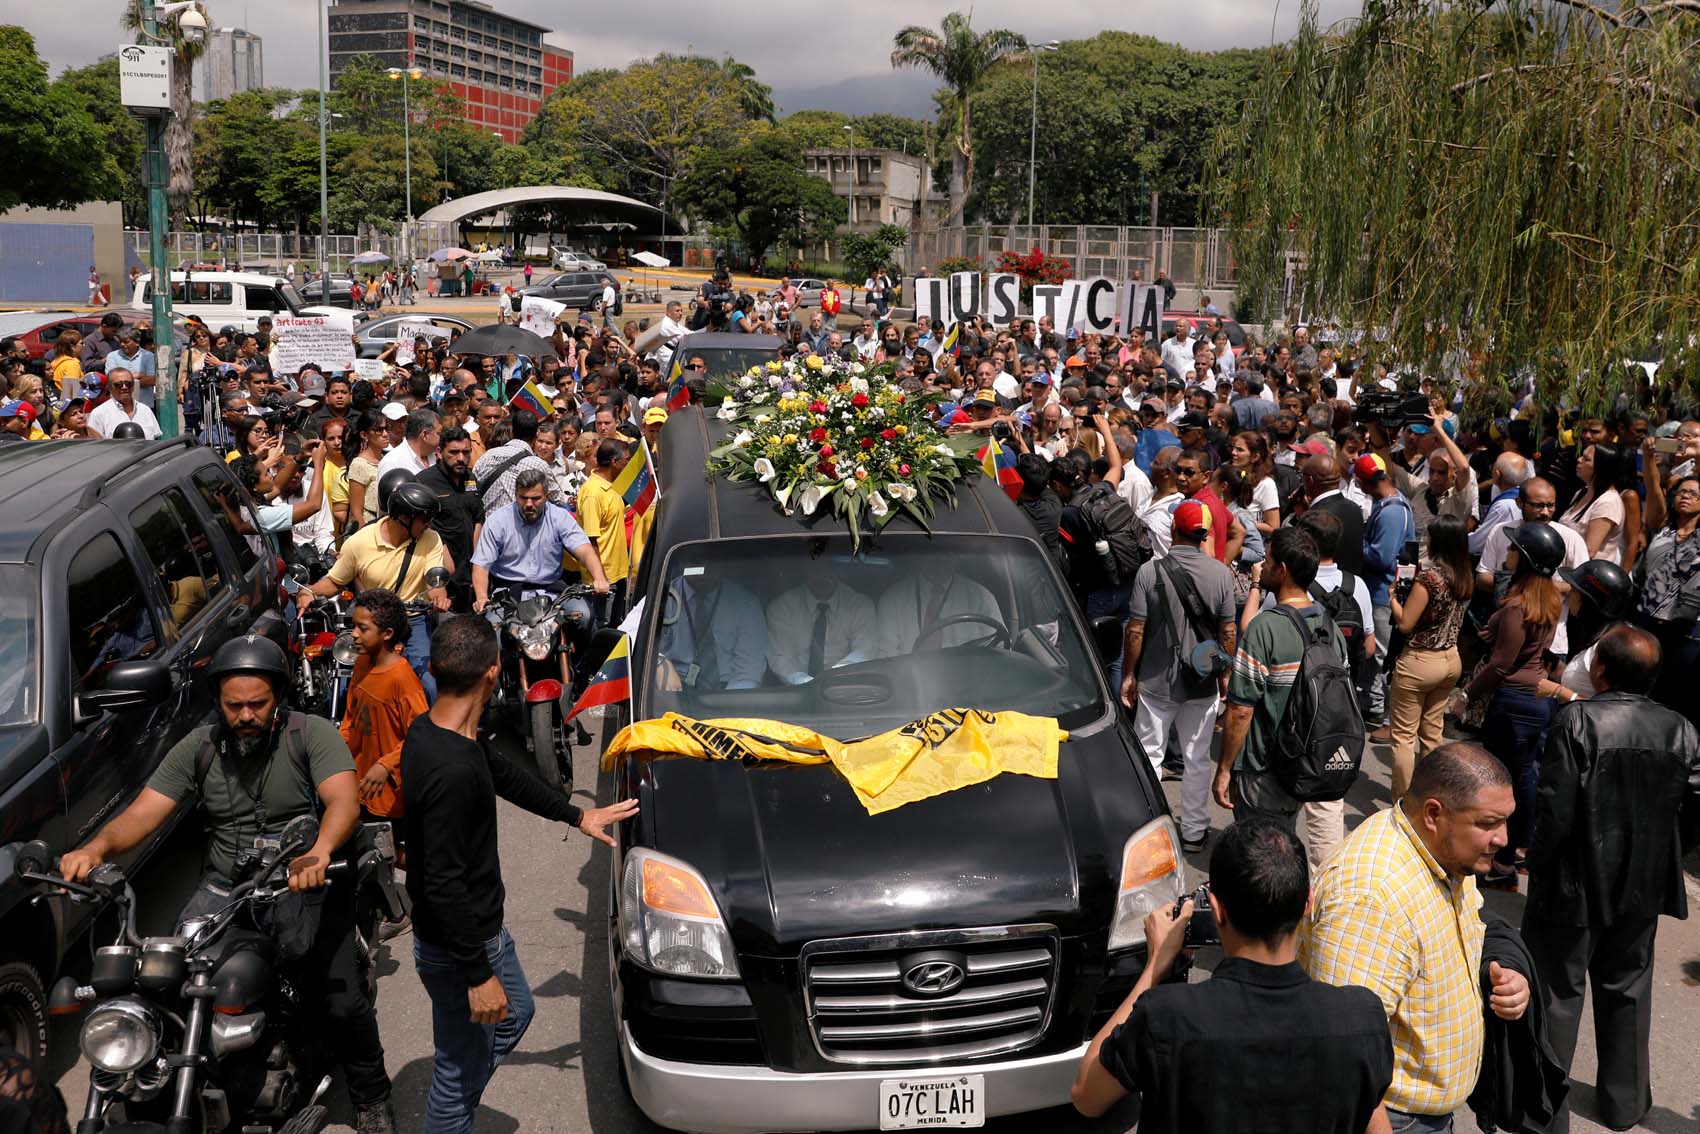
x=1384 y=915
x=369 y=560
x=602 y=515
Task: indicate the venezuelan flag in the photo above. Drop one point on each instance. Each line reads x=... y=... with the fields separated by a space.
x=951 y=343
x=531 y=397
x=611 y=684
x=636 y=483
x=678 y=395
x=999 y=464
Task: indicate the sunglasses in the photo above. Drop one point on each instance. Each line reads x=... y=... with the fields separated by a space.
x=123 y=385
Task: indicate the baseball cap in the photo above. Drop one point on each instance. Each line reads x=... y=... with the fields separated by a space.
x=395 y=411
x=1448 y=424
x=1369 y=467
x=1192 y=518
x=655 y=415
x=1309 y=448
x=985 y=398
x=1075 y=360
x=1192 y=421
x=17 y=407
x=1155 y=405
x=1041 y=379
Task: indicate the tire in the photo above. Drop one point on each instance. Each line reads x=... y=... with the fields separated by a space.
x=23 y=1011
x=545 y=741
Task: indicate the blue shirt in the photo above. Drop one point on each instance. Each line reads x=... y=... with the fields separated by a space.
x=142 y=362
x=1149 y=444
x=512 y=549
x=1390 y=527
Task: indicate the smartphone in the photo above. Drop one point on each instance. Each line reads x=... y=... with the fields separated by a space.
x=1671 y=445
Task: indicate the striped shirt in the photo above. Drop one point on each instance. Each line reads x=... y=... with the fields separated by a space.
x=1385 y=915
x=1265 y=668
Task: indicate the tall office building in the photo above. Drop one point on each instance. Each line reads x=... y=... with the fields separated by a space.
x=501 y=67
x=232 y=62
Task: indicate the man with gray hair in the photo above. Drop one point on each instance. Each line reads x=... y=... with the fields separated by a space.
x=527 y=543
x=418 y=449
x=1510 y=472
x=122 y=407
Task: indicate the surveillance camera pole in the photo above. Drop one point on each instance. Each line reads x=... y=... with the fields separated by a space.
x=159 y=218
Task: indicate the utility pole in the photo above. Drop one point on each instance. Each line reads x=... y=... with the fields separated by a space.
x=1033 y=135
x=324 y=176
x=407 y=75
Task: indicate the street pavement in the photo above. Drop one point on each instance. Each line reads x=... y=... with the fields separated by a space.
x=564 y=1075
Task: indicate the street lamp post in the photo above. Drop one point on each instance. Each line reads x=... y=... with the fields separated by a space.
x=192 y=24
x=1033 y=137
x=324 y=176
x=406 y=75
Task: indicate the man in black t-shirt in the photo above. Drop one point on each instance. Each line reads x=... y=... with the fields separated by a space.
x=1041 y=504
x=460 y=510
x=1259 y=1046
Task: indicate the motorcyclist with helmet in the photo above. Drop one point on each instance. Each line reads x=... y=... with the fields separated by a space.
x=255 y=768
x=1601 y=593
x=397 y=552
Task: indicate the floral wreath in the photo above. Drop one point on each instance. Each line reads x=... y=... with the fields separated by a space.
x=819 y=431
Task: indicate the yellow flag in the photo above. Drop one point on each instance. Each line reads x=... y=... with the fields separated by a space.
x=950 y=749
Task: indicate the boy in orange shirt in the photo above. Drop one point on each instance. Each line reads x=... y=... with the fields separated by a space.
x=384 y=697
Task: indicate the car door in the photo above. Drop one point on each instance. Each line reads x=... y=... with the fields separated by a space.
x=229 y=518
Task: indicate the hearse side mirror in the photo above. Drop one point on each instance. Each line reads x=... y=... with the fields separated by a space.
x=1107 y=637
x=131 y=684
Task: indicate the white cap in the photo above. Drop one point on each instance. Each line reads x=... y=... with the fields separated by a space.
x=1006 y=385
x=395 y=411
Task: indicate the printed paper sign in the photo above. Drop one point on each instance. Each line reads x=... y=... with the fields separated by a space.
x=538 y=315
x=409 y=330
x=326 y=341
x=371 y=369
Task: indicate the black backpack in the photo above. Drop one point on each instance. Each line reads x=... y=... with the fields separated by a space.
x=1112 y=519
x=1320 y=741
x=1348 y=618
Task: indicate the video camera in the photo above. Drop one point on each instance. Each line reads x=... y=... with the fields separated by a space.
x=1393 y=410
x=717 y=298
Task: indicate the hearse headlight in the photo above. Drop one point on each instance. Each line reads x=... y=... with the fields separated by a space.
x=120 y=1036
x=669 y=920
x=1151 y=878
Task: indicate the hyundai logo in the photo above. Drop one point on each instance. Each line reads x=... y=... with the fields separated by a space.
x=933 y=978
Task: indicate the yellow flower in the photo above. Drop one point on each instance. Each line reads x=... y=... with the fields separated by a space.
x=790 y=439
x=813 y=363
x=900 y=430
x=774 y=366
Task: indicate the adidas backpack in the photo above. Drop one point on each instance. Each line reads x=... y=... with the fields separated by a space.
x=1320 y=741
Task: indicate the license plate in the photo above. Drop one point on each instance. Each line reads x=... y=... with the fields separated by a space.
x=929 y=1104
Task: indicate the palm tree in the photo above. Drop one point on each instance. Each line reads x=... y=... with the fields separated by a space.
x=180 y=127
x=754 y=98
x=961 y=59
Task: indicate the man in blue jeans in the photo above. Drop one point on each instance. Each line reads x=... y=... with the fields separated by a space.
x=480 y=1000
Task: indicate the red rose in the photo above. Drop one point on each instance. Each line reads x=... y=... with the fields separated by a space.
x=901 y=398
x=860 y=401
x=825 y=450
x=888 y=434
x=817 y=436
x=902 y=470
x=867 y=442
x=817 y=407
x=828 y=469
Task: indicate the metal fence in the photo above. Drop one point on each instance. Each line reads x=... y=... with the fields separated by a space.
x=269 y=251
x=1198 y=258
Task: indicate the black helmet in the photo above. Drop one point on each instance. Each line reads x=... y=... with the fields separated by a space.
x=1604 y=584
x=251 y=654
x=387 y=484
x=411 y=501
x=1540 y=547
x=128 y=431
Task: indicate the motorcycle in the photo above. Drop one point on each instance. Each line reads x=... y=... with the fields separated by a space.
x=545 y=640
x=323 y=643
x=195 y=1031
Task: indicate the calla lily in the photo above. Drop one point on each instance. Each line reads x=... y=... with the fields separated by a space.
x=744 y=438
x=877 y=505
x=812 y=496
x=728 y=411
x=908 y=493
x=764 y=469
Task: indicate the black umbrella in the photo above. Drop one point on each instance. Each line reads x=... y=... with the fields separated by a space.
x=502 y=338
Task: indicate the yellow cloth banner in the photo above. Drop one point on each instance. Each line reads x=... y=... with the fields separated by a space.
x=950 y=749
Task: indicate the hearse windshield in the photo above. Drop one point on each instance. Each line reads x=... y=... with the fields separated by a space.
x=799 y=629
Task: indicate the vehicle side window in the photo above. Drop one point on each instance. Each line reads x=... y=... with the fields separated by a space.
x=171 y=553
x=265 y=299
x=109 y=619
x=233 y=513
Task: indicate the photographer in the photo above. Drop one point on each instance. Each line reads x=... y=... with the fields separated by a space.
x=713 y=303
x=1259 y=1046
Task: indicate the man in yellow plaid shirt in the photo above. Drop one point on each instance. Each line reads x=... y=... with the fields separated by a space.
x=1396 y=909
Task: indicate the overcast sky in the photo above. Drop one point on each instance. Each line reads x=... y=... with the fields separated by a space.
x=844 y=66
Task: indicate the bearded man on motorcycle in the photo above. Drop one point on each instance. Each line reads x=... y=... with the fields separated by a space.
x=527 y=543
x=258 y=766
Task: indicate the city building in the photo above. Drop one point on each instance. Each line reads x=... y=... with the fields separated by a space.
x=891 y=187
x=501 y=67
x=232 y=62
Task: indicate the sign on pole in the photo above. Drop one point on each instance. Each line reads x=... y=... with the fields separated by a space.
x=144 y=78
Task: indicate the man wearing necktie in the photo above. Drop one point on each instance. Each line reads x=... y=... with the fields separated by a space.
x=818 y=625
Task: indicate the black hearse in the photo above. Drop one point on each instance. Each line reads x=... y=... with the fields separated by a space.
x=785 y=961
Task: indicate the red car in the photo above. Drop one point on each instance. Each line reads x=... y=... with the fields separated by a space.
x=39 y=330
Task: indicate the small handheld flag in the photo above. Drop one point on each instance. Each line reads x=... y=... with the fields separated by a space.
x=636 y=483
x=951 y=344
x=612 y=683
x=999 y=464
x=531 y=397
x=678 y=394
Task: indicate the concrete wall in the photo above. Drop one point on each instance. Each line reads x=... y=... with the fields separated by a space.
x=107 y=220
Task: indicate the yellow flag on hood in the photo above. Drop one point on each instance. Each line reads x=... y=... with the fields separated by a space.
x=950 y=749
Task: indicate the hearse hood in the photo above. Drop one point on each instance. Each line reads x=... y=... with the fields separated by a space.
x=792 y=856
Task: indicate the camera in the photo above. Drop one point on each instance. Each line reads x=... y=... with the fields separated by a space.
x=1201 y=927
x=1393 y=410
x=1001 y=431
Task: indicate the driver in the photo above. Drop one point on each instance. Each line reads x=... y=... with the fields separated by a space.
x=712 y=636
x=818 y=625
x=937 y=593
x=527 y=543
x=251 y=771
x=396 y=553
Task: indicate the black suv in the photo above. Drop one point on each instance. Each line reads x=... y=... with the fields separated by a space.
x=123 y=566
x=582 y=290
x=835 y=970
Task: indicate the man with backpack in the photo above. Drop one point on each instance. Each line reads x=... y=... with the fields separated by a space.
x=1179 y=641
x=1293 y=734
x=1105 y=540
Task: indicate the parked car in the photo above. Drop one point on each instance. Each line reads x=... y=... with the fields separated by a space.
x=567 y=259
x=582 y=290
x=342 y=291
x=39 y=330
x=123 y=566
x=376 y=336
x=236 y=299
x=1199 y=320
x=728 y=353
x=819 y=965
x=808 y=291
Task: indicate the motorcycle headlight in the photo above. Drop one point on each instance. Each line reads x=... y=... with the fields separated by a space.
x=538 y=648
x=343 y=650
x=1151 y=878
x=669 y=920
x=120 y=1036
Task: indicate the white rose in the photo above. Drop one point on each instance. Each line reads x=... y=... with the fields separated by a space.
x=746 y=382
x=908 y=492
x=744 y=438
x=894 y=490
x=858 y=385
x=857 y=368
x=944 y=450
x=764 y=469
x=763 y=418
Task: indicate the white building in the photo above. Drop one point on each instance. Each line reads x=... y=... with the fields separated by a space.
x=232 y=62
x=890 y=186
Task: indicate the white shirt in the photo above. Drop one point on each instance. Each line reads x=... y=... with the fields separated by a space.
x=1351 y=490
x=852 y=631
x=1498 y=544
x=1329 y=577
x=319 y=529
x=1177 y=357
x=403 y=457
x=109 y=415
x=1135 y=487
x=909 y=603
x=1159 y=517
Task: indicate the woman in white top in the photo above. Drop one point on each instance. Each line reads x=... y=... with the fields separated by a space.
x=1250 y=452
x=1597 y=512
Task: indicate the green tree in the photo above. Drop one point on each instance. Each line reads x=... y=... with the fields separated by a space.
x=862 y=253
x=759 y=191
x=55 y=151
x=1516 y=183
x=95 y=88
x=961 y=59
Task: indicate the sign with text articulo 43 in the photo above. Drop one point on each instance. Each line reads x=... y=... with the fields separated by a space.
x=1098 y=305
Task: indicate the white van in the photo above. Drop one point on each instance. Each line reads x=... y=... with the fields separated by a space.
x=229 y=299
